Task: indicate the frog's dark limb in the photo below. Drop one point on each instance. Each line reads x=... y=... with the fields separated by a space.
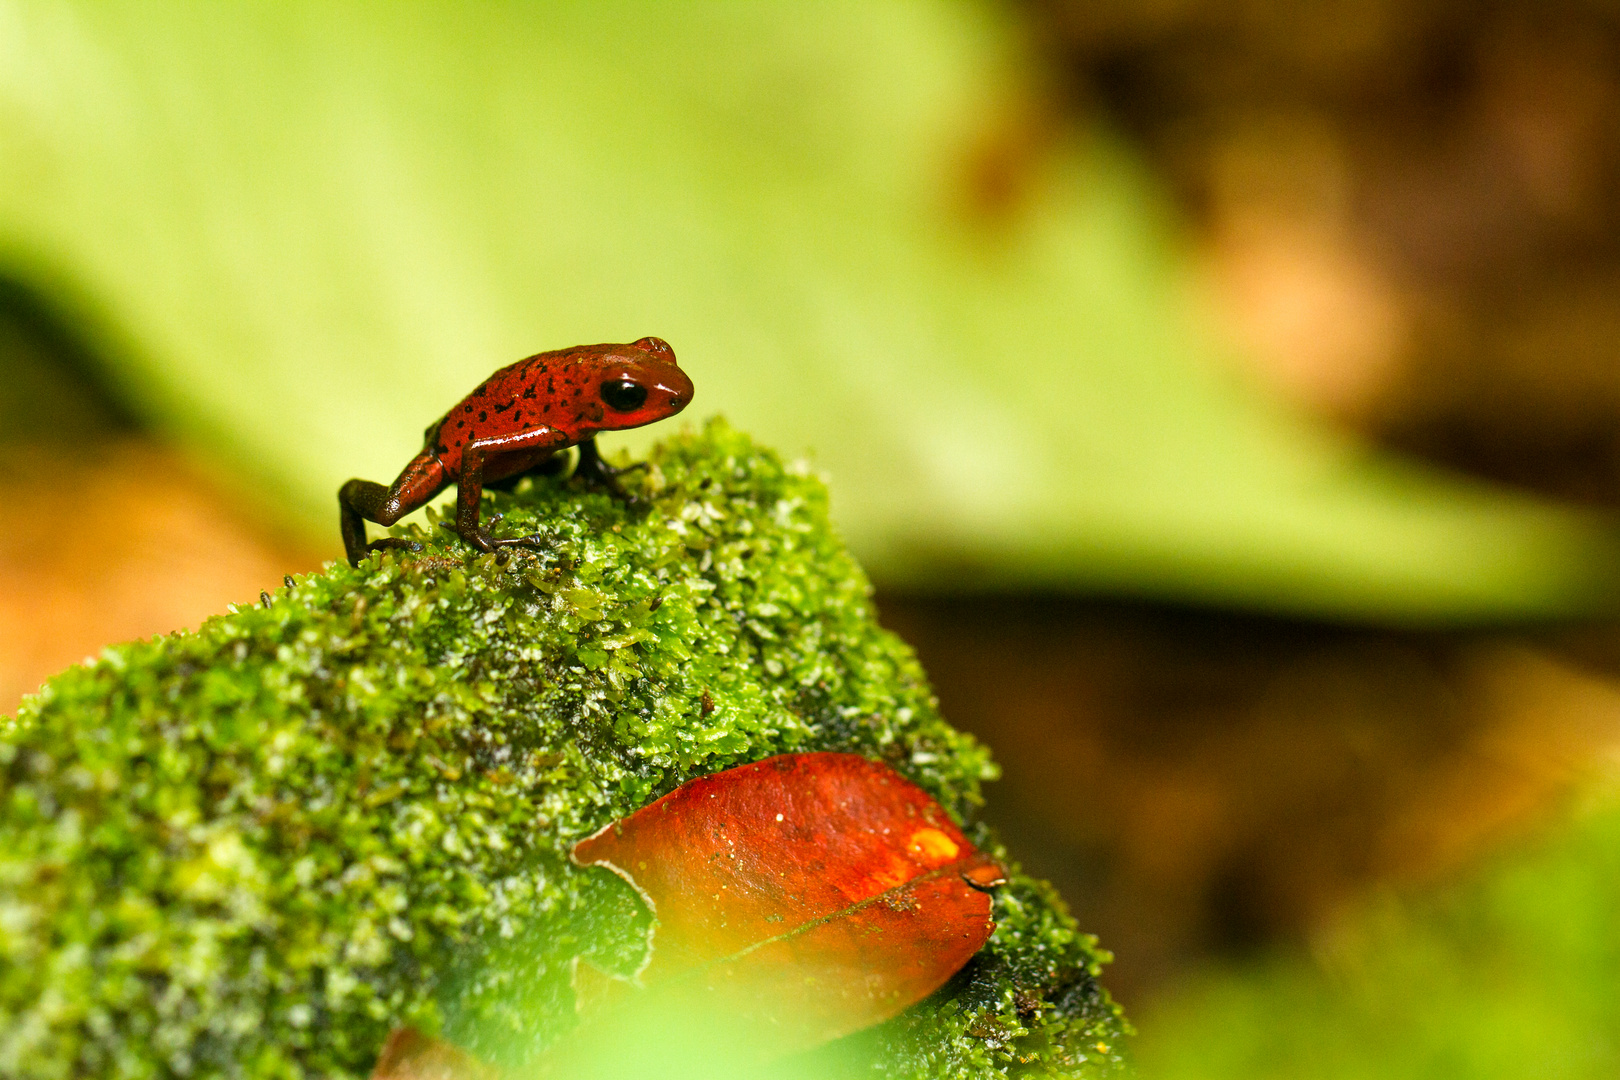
x=598 y=473
x=360 y=501
x=481 y=454
x=554 y=465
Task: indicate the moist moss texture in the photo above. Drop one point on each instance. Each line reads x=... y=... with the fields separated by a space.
x=253 y=849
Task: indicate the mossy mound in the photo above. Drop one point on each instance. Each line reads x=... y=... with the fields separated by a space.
x=253 y=849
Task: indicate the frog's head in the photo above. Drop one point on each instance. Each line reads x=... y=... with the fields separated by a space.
x=636 y=384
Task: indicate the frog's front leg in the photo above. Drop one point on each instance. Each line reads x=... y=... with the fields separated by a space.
x=598 y=473
x=360 y=501
x=470 y=488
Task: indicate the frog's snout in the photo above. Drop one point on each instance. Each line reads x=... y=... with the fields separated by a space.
x=677 y=390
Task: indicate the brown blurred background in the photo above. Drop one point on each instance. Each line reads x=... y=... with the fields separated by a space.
x=1407 y=211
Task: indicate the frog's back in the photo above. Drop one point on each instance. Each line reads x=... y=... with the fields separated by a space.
x=560 y=390
x=544 y=390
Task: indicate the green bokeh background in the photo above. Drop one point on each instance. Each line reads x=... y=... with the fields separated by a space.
x=300 y=231
x=1512 y=972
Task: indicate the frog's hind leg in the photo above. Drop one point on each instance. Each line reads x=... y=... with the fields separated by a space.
x=360 y=501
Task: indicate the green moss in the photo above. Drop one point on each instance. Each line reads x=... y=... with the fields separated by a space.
x=254 y=848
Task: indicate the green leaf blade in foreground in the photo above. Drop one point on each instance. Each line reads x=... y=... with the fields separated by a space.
x=255 y=848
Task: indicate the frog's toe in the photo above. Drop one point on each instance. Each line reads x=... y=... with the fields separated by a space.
x=535 y=541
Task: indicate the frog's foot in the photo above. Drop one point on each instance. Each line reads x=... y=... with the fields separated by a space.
x=486 y=542
x=599 y=474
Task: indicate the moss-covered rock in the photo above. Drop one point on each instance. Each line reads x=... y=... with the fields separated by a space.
x=253 y=849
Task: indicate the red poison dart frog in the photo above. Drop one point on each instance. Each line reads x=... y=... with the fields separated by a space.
x=514 y=423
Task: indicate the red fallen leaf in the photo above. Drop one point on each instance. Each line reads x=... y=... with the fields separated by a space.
x=815 y=894
x=410 y=1055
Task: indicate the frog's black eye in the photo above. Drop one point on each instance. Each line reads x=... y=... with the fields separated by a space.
x=622 y=395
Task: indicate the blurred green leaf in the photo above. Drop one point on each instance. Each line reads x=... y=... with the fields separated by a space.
x=1514 y=973
x=306 y=229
